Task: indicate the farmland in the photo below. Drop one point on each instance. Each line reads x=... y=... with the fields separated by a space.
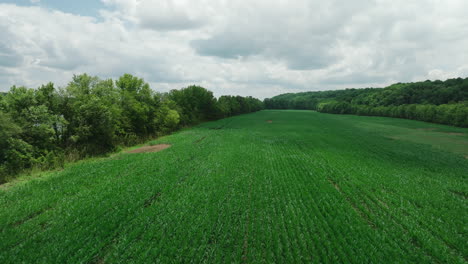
x=277 y=186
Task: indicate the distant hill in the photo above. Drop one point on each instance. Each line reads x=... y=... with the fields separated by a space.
x=443 y=102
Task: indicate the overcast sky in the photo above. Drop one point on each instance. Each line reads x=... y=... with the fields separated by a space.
x=241 y=47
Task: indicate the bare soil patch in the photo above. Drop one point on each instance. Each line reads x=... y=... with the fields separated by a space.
x=269 y=121
x=147 y=149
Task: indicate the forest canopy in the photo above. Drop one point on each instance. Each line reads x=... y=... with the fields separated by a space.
x=444 y=102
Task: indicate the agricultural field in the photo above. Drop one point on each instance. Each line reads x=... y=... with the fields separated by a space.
x=268 y=187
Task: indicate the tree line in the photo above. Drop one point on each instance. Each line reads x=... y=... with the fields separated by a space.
x=444 y=102
x=45 y=127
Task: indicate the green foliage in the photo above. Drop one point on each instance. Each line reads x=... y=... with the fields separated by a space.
x=29 y=113
x=8 y=131
x=197 y=104
x=91 y=116
x=138 y=105
x=171 y=119
x=437 y=101
x=306 y=188
x=234 y=105
x=18 y=155
x=92 y=113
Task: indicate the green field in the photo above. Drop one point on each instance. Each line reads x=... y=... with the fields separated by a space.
x=305 y=187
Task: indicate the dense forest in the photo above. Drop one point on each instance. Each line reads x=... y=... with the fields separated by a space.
x=444 y=102
x=46 y=127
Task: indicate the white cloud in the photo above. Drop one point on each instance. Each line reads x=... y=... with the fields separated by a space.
x=254 y=47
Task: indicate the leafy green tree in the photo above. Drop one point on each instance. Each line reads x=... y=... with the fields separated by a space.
x=138 y=105
x=8 y=131
x=36 y=124
x=93 y=114
x=197 y=104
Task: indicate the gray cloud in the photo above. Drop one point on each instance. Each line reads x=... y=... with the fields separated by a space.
x=169 y=24
x=10 y=60
x=62 y=57
x=356 y=79
x=9 y=57
x=172 y=20
x=159 y=15
x=227 y=46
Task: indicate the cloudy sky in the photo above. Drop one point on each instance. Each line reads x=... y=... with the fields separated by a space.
x=247 y=47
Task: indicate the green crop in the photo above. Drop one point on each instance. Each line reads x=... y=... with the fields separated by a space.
x=305 y=187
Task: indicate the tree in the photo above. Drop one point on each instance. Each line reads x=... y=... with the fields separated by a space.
x=197 y=104
x=138 y=105
x=93 y=114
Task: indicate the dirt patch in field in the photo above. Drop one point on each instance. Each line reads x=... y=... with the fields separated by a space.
x=269 y=121
x=147 y=149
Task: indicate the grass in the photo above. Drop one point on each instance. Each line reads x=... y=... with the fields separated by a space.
x=307 y=187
